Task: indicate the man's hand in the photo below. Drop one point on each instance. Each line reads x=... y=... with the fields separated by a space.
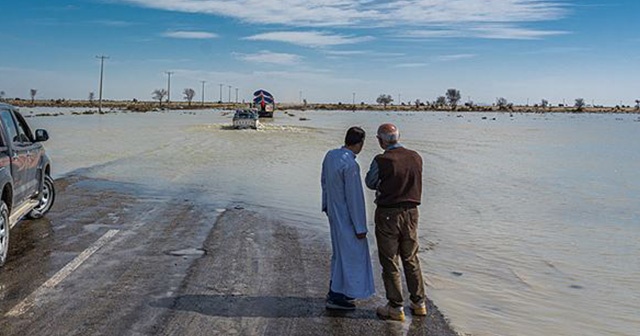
x=361 y=235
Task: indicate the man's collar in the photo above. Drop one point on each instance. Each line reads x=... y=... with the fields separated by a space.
x=349 y=150
x=394 y=146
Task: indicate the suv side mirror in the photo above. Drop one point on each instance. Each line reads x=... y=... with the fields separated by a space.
x=41 y=135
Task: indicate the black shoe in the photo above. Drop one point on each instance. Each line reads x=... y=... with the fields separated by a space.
x=340 y=304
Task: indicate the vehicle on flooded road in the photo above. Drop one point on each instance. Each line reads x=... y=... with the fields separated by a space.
x=245 y=118
x=25 y=174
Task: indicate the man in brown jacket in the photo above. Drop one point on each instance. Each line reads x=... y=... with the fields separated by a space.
x=396 y=176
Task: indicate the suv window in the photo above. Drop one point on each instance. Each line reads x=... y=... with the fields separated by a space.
x=24 y=133
x=9 y=124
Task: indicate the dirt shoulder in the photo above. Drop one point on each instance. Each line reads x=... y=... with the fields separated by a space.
x=263 y=276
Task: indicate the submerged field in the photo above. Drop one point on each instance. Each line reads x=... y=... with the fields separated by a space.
x=529 y=223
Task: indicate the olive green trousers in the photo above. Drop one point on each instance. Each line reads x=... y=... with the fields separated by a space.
x=397 y=236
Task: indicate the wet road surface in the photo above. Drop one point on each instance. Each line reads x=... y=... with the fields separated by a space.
x=110 y=259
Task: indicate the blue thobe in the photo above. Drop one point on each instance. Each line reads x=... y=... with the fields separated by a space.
x=343 y=201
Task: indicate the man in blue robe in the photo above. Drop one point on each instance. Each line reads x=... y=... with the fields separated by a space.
x=343 y=202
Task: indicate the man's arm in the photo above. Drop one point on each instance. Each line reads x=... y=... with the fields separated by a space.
x=355 y=199
x=372 y=179
x=323 y=183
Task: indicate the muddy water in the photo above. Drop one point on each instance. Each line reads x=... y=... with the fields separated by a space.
x=530 y=224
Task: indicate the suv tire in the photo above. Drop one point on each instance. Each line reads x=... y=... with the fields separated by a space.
x=4 y=232
x=47 y=197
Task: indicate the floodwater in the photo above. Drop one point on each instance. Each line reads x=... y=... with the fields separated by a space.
x=530 y=224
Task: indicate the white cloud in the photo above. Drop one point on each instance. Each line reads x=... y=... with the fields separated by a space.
x=312 y=39
x=456 y=57
x=432 y=34
x=490 y=31
x=345 y=52
x=410 y=65
x=199 y=35
x=514 y=33
x=113 y=23
x=332 y=13
x=266 y=56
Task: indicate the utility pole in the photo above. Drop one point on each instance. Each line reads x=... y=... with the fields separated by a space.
x=229 y=92
x=353 y=100
x=236 y=95
x=221 y=85
x=102 y=58
x=169 y=73
x=203 y=91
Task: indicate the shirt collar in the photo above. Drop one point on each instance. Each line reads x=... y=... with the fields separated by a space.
x=394 y=146
x=349 y=151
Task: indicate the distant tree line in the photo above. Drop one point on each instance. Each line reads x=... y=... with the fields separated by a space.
x=451 y=99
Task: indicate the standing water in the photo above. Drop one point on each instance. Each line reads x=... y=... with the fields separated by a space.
x=530 y=225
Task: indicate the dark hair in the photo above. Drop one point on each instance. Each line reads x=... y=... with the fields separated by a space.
x=355 y=135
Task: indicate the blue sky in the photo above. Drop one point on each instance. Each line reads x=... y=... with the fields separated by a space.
x=325 y=50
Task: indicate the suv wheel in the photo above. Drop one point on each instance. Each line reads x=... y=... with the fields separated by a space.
x=4 y=232
x=47 y=197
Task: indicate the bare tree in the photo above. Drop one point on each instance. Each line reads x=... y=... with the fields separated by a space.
x=453 y=96
x=384 y=99
x=92 y=96
x=189 y=94
x=579 y=105
x=33 y=93
x=502 y=103
x=441 y=101
x=418 y=103
x=159 y=95
x=544 y=103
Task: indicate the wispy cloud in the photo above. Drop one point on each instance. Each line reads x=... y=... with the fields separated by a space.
x=345 y=52
x=331 y=13
x=266 y=56
x=312 y=39
x=112 y=23
x=198 y=35
x=509 y=32
x=456 y=57
x=410 y=65
x=490 y=31
x=557 y=50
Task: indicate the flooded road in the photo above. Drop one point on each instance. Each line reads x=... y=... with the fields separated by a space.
x=160 y=239
x=127 y=238
x=117 y=259
x=528 y=226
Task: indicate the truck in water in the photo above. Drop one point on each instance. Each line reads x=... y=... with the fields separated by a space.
x=265 y=103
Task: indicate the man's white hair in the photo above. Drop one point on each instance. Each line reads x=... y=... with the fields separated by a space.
x=389 y=137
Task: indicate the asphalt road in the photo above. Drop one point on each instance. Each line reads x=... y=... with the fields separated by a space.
x=110 y=259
